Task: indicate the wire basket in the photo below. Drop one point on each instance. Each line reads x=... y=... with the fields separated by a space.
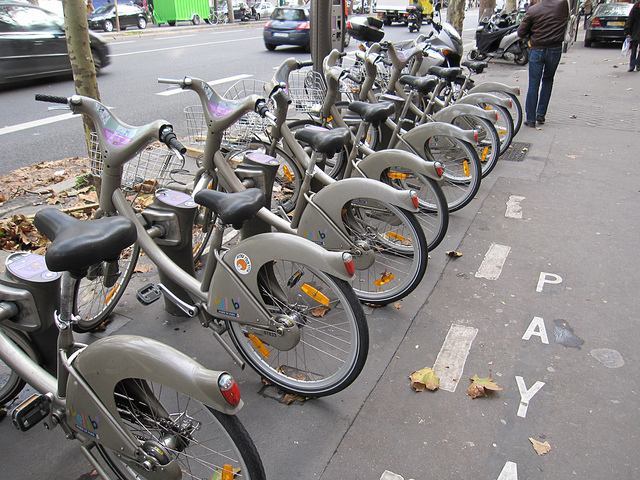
x=384 y=74
x=240 y=135
x=307 y=90
x=151 y=169
x=196 y=125
x=356 y=70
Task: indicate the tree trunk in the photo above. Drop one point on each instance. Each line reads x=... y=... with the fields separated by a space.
x=230 y=11
x=455 y=14
x=486 y=8
x=510 y=6
x=115 y=6
x=84 y=71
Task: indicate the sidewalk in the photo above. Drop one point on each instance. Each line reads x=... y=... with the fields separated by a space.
x=580 y=222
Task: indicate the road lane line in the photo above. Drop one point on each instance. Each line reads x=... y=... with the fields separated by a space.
x=36 y=123
x=514 y=209
x=453 y=355
x=509 y=472
x=176 y=47
x=491 y=266
x=235 y=78
x=177 y=36
x=121 y=43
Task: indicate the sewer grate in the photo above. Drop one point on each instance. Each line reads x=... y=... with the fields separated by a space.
x=516 y=152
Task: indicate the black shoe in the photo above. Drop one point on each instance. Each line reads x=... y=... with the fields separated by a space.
x=530 y=124
x=540 y=120
x=631 y=69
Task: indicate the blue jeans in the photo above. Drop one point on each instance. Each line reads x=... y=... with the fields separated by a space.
x=543 y=63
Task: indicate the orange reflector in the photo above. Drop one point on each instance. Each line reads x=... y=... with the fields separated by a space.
x=259 y=344
x=384 y=279
x=227 y=472
x=316 y=294
x=485 y=153
x=111 y=293
x=465 y=168
x=287 y=173
x=397 y=175
x=398 y=238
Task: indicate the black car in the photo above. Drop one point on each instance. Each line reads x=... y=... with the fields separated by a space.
x=104 y=18
x=33 y=44
x=288 y=26
x=607 y=23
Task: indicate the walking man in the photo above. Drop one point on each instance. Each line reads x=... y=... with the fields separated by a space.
x=544 y=25
x=632 y=31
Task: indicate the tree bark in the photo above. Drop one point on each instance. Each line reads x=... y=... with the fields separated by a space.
x=230 y=11
x=455 y=14
x=486 y=8
x=115 y=7
x=84 y=70
x=510 y=6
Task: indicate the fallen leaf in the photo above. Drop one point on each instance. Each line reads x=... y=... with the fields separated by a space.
x=319 y=311
x=89 y=197
x=424 y=379
x=289 y=398
x=481 y=387
x=397 y=305
x=454 y=254
x=145 y=268
x=540 y=447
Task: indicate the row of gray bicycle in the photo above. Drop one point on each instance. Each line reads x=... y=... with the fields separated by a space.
x=305 y=196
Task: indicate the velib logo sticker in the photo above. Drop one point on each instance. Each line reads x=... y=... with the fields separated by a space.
x=85 y=423
x=242 y=263
x=228 y=306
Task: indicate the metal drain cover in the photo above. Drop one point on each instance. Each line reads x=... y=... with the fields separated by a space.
x=516 y=152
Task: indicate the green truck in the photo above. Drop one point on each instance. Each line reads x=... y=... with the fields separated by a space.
x=172 y=11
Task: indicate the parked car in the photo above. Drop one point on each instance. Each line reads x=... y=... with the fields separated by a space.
x=104 y=17
x=263 y=10
x=607 y=23
x=33 y=44
x=288 y=26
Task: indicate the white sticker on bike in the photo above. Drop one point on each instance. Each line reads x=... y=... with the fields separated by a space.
x=242 y=263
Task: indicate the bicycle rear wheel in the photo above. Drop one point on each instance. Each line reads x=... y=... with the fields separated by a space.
x=205 y=443
x=334 y=338
x=488 y=147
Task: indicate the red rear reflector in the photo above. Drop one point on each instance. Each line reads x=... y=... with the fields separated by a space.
x=349 y=264
x=229 y=389
x=439 y=169
x=510 y=103
x=414 y=199
x=475 y=136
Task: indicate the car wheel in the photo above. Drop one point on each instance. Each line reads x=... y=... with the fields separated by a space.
x=172 y=23
x=97 y=60
x=107 y=26
x=270 y=47
x=196 y=20
x=307 y=47
x=142 y=23
x=587 y=42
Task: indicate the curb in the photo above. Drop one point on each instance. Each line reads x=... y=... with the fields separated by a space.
x=161 y=31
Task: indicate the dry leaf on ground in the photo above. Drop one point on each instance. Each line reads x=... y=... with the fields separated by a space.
x=481 y=387
x=454 y=253
x=424 y=379
x=19 y=233
x=541 y=448
x=397 y=305
x=144 y=268
x=319 y=311
x=289 y=398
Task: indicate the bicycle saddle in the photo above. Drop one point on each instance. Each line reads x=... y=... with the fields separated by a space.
x=78 y=244
x=424 y=85
x=323 y=140
x=446 y=73
x=475 y=66
x=232 y=208
x=374 y=113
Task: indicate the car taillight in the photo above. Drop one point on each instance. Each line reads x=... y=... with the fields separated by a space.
x=349 y=264
x=595 y=22
x=229 y=389
x=439 y=168
x=414 y=199
x=268 y=24
x=304 y=26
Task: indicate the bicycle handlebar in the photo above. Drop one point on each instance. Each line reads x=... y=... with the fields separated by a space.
x=169 y=138
x=41 y=97
x=306 y=63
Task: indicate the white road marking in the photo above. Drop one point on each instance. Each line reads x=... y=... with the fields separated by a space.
x=121 y=43
x=538 y=329
x=514 y=209
x=509 y=472
x=36 y=123
x=491 y=266
x=550 y=278
x=453 y=355
x=235 y=78
x=177 y=36
x=176 y=47
x=526 y=395
x=387 y=475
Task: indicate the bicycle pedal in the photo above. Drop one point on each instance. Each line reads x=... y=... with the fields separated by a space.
x=30 y=412
x=148 y=294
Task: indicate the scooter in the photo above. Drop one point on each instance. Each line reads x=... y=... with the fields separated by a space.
x=443 y=38
x=414 y=19
x=495 y=42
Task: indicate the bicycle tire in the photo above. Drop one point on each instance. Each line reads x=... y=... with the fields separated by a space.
x=489 y=147
x=242 y=451
x=517 y=109
x=11 y=384
x=90 y=318
x=300 y=380
x=505 y=129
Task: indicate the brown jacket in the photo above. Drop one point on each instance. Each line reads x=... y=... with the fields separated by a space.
x=545 y=23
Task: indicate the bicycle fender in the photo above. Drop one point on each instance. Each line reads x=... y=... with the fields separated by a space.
x=417 y=137
x=450 y=113
x=375 y=165
x=478 y=98
x=490 y=87
x=106 y=362
x=331 y=201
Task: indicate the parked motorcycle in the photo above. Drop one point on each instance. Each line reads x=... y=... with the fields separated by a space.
x=494 y=41
x=414 y=18
x=444 y=38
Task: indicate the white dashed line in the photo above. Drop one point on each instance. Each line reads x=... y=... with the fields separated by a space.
x=491 y=266
x=453 y=355
x=36 y=123
x=514 y=209
x=235 y=78
x=177 y=47
x=509 y=472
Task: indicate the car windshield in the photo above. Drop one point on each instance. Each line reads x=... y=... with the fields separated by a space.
x=25 y=17
x=289 y=14
x=102 y=9
x=612 y=9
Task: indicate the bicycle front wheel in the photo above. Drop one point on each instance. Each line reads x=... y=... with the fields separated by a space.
x=334 y=338
x=488 y=147
x=205 y=443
